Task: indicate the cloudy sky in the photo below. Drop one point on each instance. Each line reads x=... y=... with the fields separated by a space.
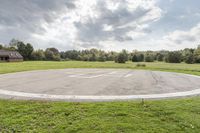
x=103 y=24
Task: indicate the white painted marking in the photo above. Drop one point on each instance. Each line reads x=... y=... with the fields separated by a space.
x=76 y=75
x=96 y=76
x=128 y=75
x=85 y=77
x=114 y=72
x=89 y=77
x=98 y=98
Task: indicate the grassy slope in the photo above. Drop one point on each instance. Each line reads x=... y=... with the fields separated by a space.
x=177 y=115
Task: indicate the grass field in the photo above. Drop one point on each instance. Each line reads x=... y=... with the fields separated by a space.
x=175 y=115
x=164 y=116
x=43 y=65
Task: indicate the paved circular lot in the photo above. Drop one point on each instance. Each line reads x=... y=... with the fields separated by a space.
x=97 y=84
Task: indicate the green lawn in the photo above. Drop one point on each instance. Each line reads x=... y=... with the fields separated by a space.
x=42 y=65
x=175 y=115
x=162 y=116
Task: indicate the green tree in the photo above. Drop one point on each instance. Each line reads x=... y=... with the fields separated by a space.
x=125 y=54
x=25 y=50
x=173 y=57
x=62 y=55
x=110 y=56
x=188 y=55
x=140 y=57
x=137 y=56
x=52 y=54
x=21 y=48
x=101 y=56
x=29 y=49
x=85 y=57
x=38 y=55
x=122 y=57
x=160 y=57
x=13 y=43
x=134 y=58
x=149 y=56
x=189 y=58
x=197 y=55
x=49 y=55
x=92 y=57
x=72 y=55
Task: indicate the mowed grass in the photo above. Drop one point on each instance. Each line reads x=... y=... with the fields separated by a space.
x=160 y=116
x=164 y=116
x=43 y=65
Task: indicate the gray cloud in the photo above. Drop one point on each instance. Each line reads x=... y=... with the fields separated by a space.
x=122 y=20
x=66 y=24
x=24 y=17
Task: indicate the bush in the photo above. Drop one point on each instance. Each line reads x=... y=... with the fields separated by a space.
x=141 y=65
x=137 y=57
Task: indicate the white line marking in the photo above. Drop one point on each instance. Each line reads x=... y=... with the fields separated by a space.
x=76 y=75
x=89 y=77
x=128 y=75
x=86 y=77
x=113 y=72
x=99 y=98
x=100 y=75
x=96 y=76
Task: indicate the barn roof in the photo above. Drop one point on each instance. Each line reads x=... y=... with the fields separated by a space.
x=10 y=54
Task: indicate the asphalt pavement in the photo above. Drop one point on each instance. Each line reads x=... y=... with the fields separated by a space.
x=97 y=84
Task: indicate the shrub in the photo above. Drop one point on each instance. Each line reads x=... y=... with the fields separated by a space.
x=141 y=65
x=137 y=57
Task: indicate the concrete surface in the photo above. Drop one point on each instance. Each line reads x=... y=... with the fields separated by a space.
x=97 y=84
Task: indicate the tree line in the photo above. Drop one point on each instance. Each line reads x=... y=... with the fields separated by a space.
x=187 y=55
